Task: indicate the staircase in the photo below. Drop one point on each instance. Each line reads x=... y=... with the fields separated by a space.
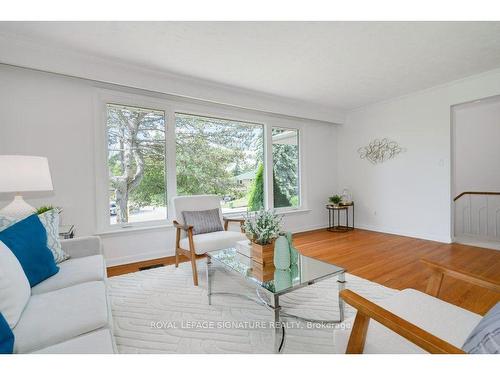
x=477 y=219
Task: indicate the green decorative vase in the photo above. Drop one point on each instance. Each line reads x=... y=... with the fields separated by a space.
x=294 y=254
x=282 y=279
x=294 y=271
x=281 y=253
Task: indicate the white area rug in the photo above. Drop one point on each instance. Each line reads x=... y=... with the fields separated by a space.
x=160 y=311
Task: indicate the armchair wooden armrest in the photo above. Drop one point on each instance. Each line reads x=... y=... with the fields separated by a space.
x=187 y=228
x=368 y=310
x=439 y=271
x=228 y=220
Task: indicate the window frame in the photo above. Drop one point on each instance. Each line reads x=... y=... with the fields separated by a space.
x=104 y=98
x=229 y=118
x=172 y=106
x=299 y=169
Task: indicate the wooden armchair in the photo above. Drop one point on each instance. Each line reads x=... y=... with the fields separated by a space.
x=194 y=246
x=427 y=341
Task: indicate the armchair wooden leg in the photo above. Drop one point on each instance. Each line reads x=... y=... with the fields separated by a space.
x=358 y=334
x=193 y=258
x=177 y=245
x=195 y=271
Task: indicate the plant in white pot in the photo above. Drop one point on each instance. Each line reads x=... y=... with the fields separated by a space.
x=262 y=228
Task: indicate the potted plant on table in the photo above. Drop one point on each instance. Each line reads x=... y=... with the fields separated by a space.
x=262 y=228
x=335 y=200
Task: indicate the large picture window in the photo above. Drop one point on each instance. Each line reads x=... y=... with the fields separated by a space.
x=136 y=164
x=250 y=163
x=286 y=181
x=222 y=157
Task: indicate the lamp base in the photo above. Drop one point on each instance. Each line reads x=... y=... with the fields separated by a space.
x=18 y=208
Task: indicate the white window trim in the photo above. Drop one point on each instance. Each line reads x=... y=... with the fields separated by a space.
x=171 y=107
x=206 y=111
x=103 y=98
x=300 y=207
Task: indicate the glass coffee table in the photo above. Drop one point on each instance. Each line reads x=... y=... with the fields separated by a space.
x=272 y=283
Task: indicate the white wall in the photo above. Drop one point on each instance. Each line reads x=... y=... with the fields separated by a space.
x=23 y=52
x=476 y=130
x=50 y=115
x=411 y=194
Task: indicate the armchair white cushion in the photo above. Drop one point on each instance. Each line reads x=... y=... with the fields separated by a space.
x=442 y=319
x=213 y=241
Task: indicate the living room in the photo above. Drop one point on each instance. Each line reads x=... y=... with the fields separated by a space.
x=249 y=187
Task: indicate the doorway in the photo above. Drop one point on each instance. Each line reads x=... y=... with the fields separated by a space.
x=476 y=173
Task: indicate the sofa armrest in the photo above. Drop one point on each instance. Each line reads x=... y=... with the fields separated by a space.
x=82 y=246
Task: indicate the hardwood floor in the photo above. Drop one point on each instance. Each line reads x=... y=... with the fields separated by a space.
x=139 y=266
x=393 y=261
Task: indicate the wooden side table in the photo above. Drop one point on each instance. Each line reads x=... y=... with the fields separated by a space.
x=335 y=211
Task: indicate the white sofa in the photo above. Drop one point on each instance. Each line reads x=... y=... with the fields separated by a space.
x=69 y=313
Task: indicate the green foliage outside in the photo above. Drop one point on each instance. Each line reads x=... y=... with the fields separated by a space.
x=280 y=198
x=151 y=190
x=210 y=153
x=256 y=196
x=285 y=173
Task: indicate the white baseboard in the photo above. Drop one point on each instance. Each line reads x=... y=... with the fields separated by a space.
x=171 y=252
x=423 y=236
x=486 y=243
x=139 y=257
x=308 y=228
x=110 y=262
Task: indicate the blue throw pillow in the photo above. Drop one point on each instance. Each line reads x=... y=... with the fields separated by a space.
x=6 y=337
x=27 y=239
x=485 y=337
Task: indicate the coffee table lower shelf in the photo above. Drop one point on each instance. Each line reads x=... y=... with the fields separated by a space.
x=270 y=300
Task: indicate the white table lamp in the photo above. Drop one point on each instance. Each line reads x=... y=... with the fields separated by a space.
x=19 y=173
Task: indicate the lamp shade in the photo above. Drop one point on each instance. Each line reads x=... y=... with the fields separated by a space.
x=19 y=173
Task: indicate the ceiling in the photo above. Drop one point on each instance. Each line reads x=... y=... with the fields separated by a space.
x=340 y=64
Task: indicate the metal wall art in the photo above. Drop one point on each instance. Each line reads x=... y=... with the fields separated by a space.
x=380 y=150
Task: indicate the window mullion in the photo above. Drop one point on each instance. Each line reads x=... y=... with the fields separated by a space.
x=170 y=164
x=268 y=167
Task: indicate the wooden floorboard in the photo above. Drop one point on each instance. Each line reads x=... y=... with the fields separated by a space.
x=134 y=267
x=393 y=261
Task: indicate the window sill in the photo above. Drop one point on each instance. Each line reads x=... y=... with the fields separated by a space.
x=291 y=211
x=145 y=228
x=284 y=211
x=132 y=228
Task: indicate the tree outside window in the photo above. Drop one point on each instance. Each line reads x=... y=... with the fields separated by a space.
x=213 y=156
x=286 y=188
x=136 y=162
x=219 y=156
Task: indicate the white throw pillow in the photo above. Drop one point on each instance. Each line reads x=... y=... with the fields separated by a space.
x=15 y=289
x=50 y=221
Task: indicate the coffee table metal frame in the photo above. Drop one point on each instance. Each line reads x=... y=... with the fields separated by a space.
x=272 y=300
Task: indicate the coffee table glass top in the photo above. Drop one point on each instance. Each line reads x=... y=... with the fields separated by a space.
x=305 y=272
